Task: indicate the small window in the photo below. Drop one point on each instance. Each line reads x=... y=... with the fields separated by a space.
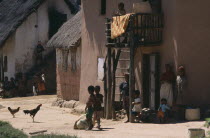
x=5 y=64
x=103 y=7
x=100 y=68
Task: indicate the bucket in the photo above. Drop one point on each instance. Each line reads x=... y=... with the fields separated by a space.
x=192 y=114
x=196 y=133
x=142 y=7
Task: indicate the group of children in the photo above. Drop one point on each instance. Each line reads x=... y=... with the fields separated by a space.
x=163 y=110
x=94 y=106
x=12 y=87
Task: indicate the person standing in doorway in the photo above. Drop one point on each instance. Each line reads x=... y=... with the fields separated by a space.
x=181 y=85
x=39 y=53
x=167 y=81
x=124 y=90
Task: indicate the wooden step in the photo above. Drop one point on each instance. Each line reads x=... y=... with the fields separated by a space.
x=123 y=68
x=124 y=59
x=120 y=45
x=125 y=51
x=119 y=76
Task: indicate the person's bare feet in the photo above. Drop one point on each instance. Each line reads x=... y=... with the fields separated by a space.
x=126 y=121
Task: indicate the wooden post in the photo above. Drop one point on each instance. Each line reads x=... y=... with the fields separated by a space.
x=115 y=63
x=105 y=87
x=113 y=86
x=132 y=75
x=109 y=92
x=1 y=68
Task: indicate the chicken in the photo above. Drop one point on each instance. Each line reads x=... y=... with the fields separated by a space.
x=13 y=111
x=33 y=112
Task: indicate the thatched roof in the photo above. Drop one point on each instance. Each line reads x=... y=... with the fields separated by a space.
x=69 y=35
x=14 y=12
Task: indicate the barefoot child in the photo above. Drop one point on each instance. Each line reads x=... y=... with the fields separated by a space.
x=89 y=107
x=163 y=110
x=136 y=104
x=97 y=106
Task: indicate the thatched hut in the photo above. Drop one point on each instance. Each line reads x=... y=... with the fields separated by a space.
x=67 y=42
x=25 y=22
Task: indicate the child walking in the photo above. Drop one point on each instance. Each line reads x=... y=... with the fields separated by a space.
x=97 y=106
x=89 y=107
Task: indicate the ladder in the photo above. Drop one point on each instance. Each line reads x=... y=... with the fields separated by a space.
x=122 y=68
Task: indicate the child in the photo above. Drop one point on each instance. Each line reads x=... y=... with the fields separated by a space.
x=89 y=107
x=163 y=110
x=136 y=104
x=97 y=106
x=34 y=89
x=121 y=10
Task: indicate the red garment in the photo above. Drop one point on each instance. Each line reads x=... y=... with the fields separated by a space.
x=168 y=77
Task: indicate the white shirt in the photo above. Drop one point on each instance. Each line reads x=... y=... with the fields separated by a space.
x=137 y=107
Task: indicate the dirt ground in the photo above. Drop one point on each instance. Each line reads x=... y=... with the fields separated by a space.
x=60 y=121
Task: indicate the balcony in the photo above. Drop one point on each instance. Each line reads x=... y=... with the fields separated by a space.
x=143 y=30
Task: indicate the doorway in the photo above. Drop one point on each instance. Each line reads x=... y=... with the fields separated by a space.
x=151 y=80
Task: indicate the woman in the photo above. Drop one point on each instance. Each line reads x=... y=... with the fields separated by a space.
x=167 y=80
x=41 y=85
x=181 y=83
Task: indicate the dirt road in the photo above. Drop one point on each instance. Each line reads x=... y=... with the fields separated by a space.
x=61 y=121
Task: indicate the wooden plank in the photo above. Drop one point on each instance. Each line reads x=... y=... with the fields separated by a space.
x=38 y=132
x=109 y=94
x=117 y=59
x=114 y=84
x=131 y=76
x=105 y=86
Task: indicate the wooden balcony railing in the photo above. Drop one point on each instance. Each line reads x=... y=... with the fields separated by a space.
x=144 y=29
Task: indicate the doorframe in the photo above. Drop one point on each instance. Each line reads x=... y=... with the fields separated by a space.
x=146 y=80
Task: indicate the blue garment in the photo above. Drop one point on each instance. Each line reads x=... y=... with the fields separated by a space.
x=164 y=107
x=124 y=89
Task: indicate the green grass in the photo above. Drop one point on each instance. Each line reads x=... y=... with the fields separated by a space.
x=53 y=136
x=7 y=131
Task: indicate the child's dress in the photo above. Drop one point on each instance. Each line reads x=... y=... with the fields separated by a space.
x=34 y=91
x=137 y=107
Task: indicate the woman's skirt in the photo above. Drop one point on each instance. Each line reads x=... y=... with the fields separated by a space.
x=166 y=91
x=41 y=87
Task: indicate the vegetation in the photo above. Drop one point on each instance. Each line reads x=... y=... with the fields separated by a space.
x=207 y=123
x=53 y=136
x=7 y=131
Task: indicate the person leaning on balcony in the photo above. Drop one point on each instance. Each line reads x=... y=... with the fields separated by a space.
x=121 y=10
x=167 y=81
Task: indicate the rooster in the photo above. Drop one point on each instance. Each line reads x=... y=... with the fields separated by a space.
x=33 y=112
x=13 y=111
